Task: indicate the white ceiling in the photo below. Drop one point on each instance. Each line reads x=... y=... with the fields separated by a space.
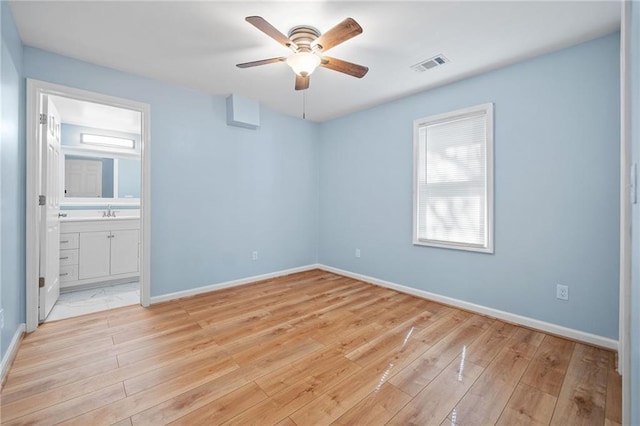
x=197 y=44
x=89 y=114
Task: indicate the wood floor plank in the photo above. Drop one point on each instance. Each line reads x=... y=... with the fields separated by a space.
x=91 y=384
x=583 y=393
x=486 y=399
x=434 y=403
x=48 y=331
x=56 y=365
x=400 y=335
x=43 y=357
x=307 y=348
x=486 y=347
x=528 y=406
x=549 y=365
x=135 y=403
x=124 y=422
x=424 y=369
x=190 y=400
x=342 y=397
x=224 y=408
x=377 y=408
x=287 y=376
x=177 y=407
x=183 y=345
x=68 y=338
x=45 y=383
x=288 y=400
x=70 y=409
x=204 y=362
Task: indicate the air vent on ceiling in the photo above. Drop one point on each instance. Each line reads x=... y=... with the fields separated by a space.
x=430 y=63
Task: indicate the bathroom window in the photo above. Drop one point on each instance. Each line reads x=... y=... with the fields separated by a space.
x=453 y=180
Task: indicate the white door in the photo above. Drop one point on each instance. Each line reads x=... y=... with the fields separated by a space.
x=50 y=219
x=93 y=255
x=124 y=251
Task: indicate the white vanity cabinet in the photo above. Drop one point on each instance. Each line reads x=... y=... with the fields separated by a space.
x=94 y=258
x=124 y=251
x=94 y=251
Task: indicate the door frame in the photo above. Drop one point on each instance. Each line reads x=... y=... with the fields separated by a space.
x=35 y=90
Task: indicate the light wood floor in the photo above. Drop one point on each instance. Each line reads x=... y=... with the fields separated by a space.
x=310 y=348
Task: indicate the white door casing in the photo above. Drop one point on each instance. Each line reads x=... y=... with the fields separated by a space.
x=50 y=219
x=36 y=91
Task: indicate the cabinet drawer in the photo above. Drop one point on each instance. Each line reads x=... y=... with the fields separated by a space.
x=69 y=241
x=68 y=273
x=68 y=257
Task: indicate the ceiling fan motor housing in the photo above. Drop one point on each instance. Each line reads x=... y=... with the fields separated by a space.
x=303 y=36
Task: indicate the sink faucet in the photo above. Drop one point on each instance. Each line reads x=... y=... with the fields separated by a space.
x=109 y=212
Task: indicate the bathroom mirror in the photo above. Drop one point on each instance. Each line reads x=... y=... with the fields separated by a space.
x=91 y=178
x=88 y=177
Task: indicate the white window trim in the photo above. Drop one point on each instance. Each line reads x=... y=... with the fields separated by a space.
x=487 y=110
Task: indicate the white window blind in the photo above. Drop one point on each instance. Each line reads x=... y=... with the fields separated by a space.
x=453 y=180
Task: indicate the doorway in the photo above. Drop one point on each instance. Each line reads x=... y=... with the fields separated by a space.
x=88 y=191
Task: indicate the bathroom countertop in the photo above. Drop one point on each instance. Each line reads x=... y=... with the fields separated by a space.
x=97 y=219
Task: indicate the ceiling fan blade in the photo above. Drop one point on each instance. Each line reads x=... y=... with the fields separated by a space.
x=261 y=62
x=342 y=32
x=302 y=83
x=345 y=67
x=260 y=23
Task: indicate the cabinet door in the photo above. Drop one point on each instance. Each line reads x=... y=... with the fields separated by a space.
x=124 y=251
x=93 y=254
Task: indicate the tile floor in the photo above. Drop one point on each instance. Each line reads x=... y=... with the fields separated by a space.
x=95 y=299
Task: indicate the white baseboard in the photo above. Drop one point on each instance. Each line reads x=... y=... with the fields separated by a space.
x=11 y=352
x=546 y=327
x=228 y=284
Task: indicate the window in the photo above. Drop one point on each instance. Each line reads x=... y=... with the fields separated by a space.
x=453 y=180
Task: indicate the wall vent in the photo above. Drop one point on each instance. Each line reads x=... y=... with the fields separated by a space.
x=430 y=63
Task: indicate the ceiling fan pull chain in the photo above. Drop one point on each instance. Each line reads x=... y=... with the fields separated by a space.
x=304 y=104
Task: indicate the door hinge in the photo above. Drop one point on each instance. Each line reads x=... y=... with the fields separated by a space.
x=42 y=200
x=43 y=118
x=41 y=282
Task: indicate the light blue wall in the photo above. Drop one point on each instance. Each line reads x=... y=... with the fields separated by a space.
x=635 y=218
x=556 y=191
x=13 y=180
x=218 y=192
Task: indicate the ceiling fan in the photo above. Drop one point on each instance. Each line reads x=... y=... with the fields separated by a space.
x=308 y=44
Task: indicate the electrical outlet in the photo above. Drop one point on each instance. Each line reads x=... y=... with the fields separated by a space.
x=358 y=253
x=562 y=292
x=254 y=255
x=1 y=318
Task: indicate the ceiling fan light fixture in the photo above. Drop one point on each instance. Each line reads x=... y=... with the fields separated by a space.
x=303 y=63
